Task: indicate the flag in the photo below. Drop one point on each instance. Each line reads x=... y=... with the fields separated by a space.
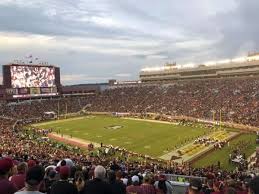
x=29 y=56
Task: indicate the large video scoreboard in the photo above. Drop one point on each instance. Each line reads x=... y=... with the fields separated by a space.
x=23 y=81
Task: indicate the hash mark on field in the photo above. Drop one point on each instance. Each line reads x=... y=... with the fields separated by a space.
x=98 y=136
x=113 y=139
x=128 y=142
x=147 y=147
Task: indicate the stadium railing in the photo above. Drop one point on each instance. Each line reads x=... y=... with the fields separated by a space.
x=183 y=178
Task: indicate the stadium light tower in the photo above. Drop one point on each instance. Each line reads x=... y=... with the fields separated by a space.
x=213 y=117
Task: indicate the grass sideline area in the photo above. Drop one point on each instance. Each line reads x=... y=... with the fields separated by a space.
x=222 y=155
x=150 y=138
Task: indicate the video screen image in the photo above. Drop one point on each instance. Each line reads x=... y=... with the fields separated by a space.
x=32 y=76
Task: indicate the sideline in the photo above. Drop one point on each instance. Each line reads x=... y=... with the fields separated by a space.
x=72 y=141
x=57 y=121
x=150 y=120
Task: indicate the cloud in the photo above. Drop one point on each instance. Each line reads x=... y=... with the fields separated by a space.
x=239 y=29
x=123 y=75
x=92 y=40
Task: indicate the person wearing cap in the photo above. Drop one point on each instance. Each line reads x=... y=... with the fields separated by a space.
x=31 y=163
x=6 y=186
x=50 y=179
x=19 y=179
x=195 y=186
x=98 y=185
x=135 y=187
x=63 y=186
x=253 y=186
x=33 y=180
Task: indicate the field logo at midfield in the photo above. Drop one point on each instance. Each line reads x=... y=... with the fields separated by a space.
x=113 y=127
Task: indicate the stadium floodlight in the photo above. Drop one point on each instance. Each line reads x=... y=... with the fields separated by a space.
x=188 y=65
x=210 y=63
x=224 y=61
x=253 y=58
x=239 y=59
x=149 y=69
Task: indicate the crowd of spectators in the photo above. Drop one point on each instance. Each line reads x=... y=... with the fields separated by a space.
x=30 y=177
x=31 y=163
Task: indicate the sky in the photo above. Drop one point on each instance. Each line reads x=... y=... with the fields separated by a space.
x=96 y=40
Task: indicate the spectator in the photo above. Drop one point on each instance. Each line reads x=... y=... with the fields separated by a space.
x=31 y=163
x=146 y=186
x=135 y=187
x=195 y=186
x=116 y=185
x=253 y=186
x=6 y=186
x=62 y=185
x=34 y=178
x=163 y=186
x=230 y=190
x=209 y=189
x=217 y=188
x=50 y=180
x=98 y=185
x=19 y=179
x=80 y=182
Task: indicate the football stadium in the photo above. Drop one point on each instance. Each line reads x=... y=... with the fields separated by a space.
x=208 y=120
x=77 y=125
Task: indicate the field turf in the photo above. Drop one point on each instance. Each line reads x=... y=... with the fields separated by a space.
x=153 y=139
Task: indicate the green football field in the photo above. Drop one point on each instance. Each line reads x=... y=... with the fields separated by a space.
x=150 y=138
x=145 y=137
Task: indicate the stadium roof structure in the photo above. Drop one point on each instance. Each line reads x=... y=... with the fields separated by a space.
x=242 y=66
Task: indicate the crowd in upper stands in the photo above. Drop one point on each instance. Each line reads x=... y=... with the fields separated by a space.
x=30 y=163
x=232 y=100
x=236 y=99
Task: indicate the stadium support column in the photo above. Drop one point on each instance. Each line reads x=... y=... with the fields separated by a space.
x=213 y=118
x=220 y=118
x=58 y=109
